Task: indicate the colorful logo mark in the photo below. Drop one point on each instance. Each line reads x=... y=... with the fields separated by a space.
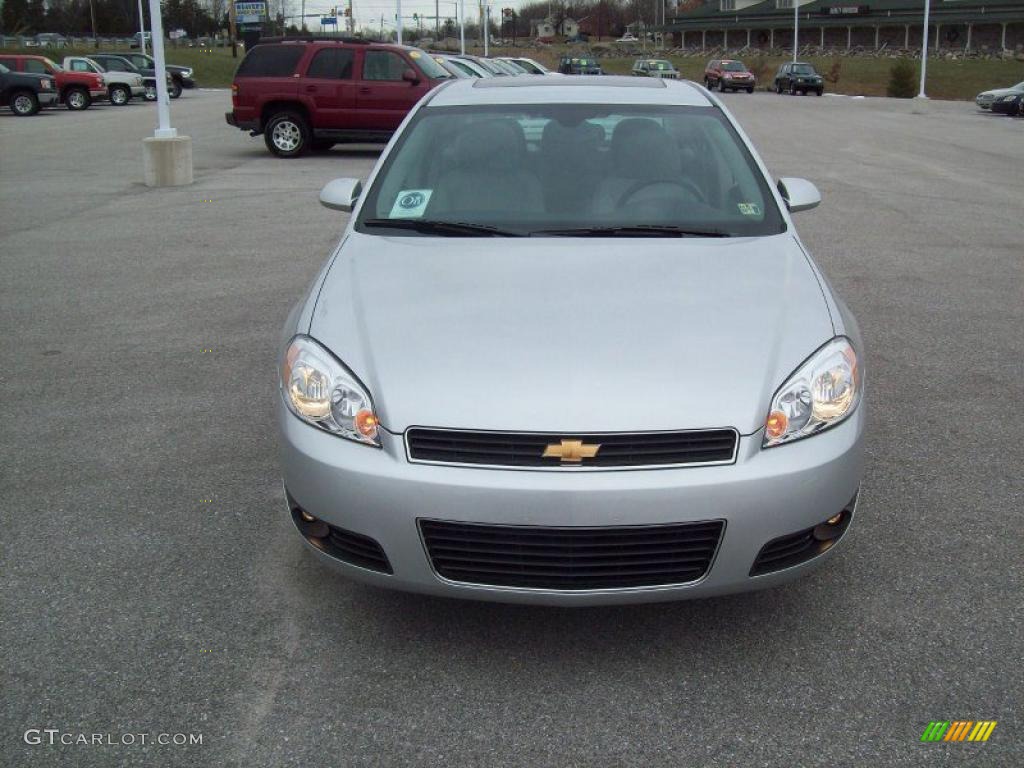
x=958 y=730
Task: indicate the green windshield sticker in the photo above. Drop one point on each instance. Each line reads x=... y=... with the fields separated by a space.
x=749 y=209
x=410 y=203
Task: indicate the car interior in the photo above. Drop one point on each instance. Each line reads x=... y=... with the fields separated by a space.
x=572 y=169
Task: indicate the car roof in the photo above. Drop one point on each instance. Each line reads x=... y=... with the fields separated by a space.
x=537 y=89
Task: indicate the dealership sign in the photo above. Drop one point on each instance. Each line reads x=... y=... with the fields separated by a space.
x=250 y=12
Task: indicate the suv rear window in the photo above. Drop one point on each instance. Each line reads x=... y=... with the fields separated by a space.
x=270 y=61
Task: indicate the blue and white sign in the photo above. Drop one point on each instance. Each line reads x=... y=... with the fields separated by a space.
x=250 y=12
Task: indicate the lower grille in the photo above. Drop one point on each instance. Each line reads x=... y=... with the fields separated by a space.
x=356 y=549
x=348 y=546
x=785 y=551
x=795 y=548
x=527 y=449
x=571 y=558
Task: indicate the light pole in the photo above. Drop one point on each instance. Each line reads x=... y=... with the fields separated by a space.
x=166 y=156
x=796 y=28
x=924 y=49
x=398 y=8
x=462 y=26
x=142 y=30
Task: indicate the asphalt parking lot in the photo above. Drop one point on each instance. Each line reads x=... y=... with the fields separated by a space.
x=152 y=581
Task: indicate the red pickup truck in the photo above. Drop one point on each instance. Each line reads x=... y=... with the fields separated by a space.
x=76 y=90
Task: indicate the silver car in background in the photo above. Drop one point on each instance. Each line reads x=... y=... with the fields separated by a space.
x=571 y=350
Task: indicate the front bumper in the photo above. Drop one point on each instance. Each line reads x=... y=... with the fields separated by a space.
x=138 y=90
x=48 y=98
x=764 y=495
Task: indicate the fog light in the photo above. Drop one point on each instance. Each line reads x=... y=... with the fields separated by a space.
x=831 y=529
x=310 y=519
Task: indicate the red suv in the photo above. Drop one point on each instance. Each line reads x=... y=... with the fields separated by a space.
x=728 y=75
x=306 y=93
x=76 y=90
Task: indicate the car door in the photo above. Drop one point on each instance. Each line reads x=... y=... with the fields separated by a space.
x=330 y=85
x=383 y=98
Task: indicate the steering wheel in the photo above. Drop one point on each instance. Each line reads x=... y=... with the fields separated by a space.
x=684 y=184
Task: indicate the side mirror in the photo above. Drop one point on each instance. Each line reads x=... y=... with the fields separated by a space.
x=341 y=194
x=799 y=194
x=410 y=76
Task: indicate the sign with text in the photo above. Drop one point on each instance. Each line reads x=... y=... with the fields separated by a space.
x=250 y=12
x=845 y=10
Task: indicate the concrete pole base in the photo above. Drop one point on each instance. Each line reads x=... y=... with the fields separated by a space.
x=167 y=162
x=920 y=105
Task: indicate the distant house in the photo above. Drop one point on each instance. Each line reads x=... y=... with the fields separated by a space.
x=549 y=28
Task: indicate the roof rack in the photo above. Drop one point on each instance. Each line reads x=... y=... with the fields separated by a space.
x=315 y=39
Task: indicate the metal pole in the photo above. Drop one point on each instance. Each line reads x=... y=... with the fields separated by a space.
x=462 y=26
x=92 y=17
x=302 y=13
x=796 y=29
x=232 y=32
x=437 y=21
x=163 y=103
x=487 y=27
x=142 y=30
x=398 y=9
x=924 y=48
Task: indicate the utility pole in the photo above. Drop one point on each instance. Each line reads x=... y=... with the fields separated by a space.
x=301 y=12
x=437 y=21
x=398 y=8
x=232 y=33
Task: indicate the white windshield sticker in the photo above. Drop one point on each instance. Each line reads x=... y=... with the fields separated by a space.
x=749 y=209
x=411 y=203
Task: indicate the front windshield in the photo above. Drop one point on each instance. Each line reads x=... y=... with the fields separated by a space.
x=428 y=66
x=661 y=66
x=52 y=64
x=733 y=66
x=544 y=169
x=803 y=69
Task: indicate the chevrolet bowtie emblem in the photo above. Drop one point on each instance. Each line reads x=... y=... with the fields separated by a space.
x=572 y=451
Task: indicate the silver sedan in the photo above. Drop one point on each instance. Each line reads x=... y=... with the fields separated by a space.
x=571 y=350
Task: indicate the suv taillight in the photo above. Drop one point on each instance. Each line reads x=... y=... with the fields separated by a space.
x=234 y=89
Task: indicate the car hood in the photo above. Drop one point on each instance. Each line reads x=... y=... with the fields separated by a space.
x=997 y=92
x=570 y=335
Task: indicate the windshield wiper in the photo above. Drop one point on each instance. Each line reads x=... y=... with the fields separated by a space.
x=435 y=227
x=635 y=230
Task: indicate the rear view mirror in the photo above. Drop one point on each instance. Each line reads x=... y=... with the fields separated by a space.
x=410 y=77
x=799 y=194
x=341 y=194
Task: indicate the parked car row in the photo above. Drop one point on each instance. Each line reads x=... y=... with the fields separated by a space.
x=81 y=80
x=1003 y=101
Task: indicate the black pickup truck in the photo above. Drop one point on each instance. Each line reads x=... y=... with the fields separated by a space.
x=24 y=94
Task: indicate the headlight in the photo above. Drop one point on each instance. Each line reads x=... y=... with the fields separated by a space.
x=187 y=73
x=321 y=391
x=45 y=85
x=821 y=393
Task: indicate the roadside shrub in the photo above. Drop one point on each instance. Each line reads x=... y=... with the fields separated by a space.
x=832 y=76
x=902 y=80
